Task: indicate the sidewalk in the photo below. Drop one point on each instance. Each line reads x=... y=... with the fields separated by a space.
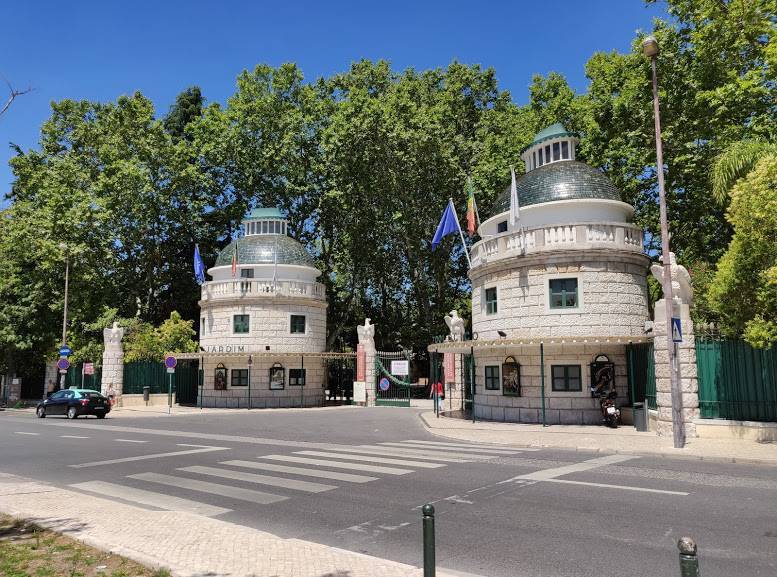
x=624 y=439
x=183 y=411
x=185 y=543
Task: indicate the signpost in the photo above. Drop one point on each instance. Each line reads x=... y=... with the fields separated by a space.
x=250 y=364
x=88 y=368
x=400 y=368
x=65 y=351
x=677 y=330
x=384 y=384
x=63 y=364
x=170 y=363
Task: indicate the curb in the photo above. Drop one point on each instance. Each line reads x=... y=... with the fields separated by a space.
x=709 y=459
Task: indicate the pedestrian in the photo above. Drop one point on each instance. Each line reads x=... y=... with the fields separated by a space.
x=440 y=396
x=50 y=388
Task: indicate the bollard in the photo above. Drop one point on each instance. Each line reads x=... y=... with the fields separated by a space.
x=429 y=562
x=689 y=562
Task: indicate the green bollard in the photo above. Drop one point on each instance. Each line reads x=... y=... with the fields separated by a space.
x=689 y=562
x=429 y=562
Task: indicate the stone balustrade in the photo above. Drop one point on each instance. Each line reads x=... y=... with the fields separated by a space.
x=246 y=288
x=576 y=236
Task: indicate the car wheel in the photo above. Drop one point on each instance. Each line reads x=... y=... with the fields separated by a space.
x=101 y=416
x=41 y=412
x=72 y=413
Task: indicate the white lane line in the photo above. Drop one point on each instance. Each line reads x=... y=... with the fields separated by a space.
x=210 y=488
x=23 y=433
x=150 y=498
x=371 y=459
x=338 y=465
x=456 y=449
x=455 y=446
x=302 y=471
x=129 y=441
x=261 y=479
x=72 y=437
x=430 y=452
x=152 y=456
x=404 y=453
x=624 y=487
x=546 y=474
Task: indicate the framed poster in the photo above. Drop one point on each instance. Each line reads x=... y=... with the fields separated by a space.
x=277 y=377
x=511 y=378
x=220 y=378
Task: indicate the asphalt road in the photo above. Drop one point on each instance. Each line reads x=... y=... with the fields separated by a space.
x=502 y=514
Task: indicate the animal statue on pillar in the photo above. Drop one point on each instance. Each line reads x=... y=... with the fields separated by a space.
x=112 y=336
x=455 y=326
x=681 y=280
x=366 y=334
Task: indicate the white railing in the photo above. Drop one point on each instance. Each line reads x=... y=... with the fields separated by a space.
x=246 y=288
x=575 y=236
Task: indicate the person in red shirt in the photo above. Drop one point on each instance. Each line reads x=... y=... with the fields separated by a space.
x=440 y=394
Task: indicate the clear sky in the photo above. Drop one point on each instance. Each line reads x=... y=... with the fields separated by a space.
x=98 y=50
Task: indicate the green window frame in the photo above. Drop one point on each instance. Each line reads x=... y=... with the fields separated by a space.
x=563 y=293
x=296 y=377
x=239 y=378
x=297 y=324
x=241 y=324
x=491 y=301
x=566 y=378
x=492 y=378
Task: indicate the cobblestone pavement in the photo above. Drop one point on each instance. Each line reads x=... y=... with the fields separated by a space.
x=599 y=439
x=187 y=544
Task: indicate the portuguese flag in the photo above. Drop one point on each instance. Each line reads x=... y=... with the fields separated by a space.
x=234 y=261
x=471 y=208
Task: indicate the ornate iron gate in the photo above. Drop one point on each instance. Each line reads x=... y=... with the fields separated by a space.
x=390 y=390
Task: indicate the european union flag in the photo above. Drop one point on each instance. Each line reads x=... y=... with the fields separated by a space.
x=199 y=266
x=449 y=224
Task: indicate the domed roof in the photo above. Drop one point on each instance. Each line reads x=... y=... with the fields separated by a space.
x=566 y=180
x=556 y=130
x=260 y=249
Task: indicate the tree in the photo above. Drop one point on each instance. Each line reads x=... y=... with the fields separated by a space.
x=187 y=108
x=735 y=162
x=13 y=93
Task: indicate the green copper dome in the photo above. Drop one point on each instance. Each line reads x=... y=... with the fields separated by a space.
x=556 y=130
x=261 y=249
x=566 y=180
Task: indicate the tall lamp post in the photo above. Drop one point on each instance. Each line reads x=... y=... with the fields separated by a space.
x=651 y=50
x=63 y=246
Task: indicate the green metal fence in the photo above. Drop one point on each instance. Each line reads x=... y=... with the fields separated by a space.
x=75 y=378
x=736 y=381
x=152 y=374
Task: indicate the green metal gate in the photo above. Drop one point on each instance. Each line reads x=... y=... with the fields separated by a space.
x=187 y=377
x=77 y=379
x=390 y=390
x=641 y=368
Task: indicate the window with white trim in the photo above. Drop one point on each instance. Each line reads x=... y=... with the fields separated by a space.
x=491 y=304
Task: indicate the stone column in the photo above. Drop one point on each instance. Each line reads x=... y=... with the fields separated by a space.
x=686 y=357
x=369 y=375
x=113 y=363
x=366 y=355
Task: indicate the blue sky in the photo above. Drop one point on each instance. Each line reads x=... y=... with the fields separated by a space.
x=100 y=50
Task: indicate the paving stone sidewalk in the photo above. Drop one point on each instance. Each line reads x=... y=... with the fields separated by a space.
x=188 y=545
x=624 y=439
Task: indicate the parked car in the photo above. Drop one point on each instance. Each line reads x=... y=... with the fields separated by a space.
x=73 y=403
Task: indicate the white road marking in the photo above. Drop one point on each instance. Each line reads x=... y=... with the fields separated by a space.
x=430 y=452
x=210 y=488
x=338 y=465
x=455 y=446
x=404 y=453
x=158 y=500
x=349 y=477
x=546 y=474
x=371 y=459
x=152 y=456
x=261 y=479
x=23 y=433
x=129 y=441
x=72 y=437
x=456 y=449
x=624 y=487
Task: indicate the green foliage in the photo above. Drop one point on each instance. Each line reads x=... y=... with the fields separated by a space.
x=744 y=290
x=146 y=343
x=735 y=162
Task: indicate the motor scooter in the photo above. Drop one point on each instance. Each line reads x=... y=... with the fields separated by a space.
x=610 y=413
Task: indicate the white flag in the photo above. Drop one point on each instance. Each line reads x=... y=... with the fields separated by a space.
x=515 y=210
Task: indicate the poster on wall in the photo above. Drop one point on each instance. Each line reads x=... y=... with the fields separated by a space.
x=361 y=363
x=511 y=377
x=277 y=377
x=449 y=364
x=220 y=378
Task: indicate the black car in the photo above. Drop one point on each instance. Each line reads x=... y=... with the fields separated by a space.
x=73 y=403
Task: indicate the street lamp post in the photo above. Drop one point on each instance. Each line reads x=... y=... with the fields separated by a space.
x=651 y=50
x=63 y=246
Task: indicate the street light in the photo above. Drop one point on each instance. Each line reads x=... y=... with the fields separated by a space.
x=63 y=246
x=651 y=50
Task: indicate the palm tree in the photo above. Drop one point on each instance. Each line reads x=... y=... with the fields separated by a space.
x=735 y=162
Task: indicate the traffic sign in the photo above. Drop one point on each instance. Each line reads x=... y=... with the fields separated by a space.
x=171 y=370
x=63 y=364
x=384 y=384
x=677 y=330
x=88 y=368
x=65 y=351
x=170 y=362
x=400 y=368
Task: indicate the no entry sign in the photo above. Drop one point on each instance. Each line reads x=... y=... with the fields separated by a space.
x=170 y=362
x=63 y=364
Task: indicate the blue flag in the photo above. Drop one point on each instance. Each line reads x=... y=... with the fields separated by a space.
x=449 y=224
x=199 y=266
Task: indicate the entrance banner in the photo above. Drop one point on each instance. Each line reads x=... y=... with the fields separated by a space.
x=449 y=365
x=361 y=363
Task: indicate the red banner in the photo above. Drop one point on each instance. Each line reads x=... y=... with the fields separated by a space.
x=449 y=364
x=361 y=363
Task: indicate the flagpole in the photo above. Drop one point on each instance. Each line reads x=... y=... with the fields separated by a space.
x=461 y=234
x=475 y=202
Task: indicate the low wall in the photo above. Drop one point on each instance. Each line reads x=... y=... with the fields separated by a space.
x=137 y=400
x=735 y=430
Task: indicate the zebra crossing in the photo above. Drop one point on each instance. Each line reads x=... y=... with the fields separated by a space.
x=266 y=474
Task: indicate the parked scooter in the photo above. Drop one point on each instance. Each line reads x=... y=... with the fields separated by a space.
x=605 y=389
